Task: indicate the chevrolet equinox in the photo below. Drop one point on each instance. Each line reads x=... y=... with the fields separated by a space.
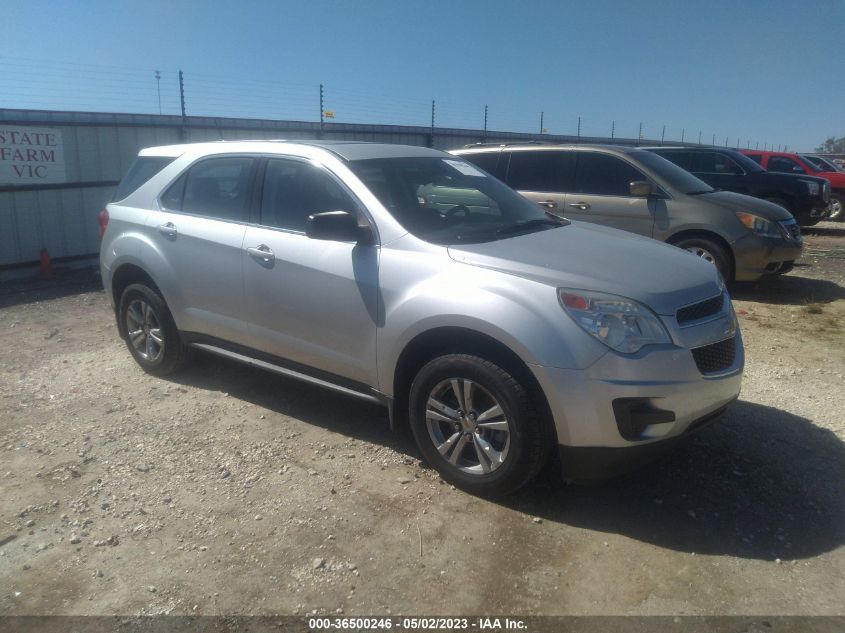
x=408 y=277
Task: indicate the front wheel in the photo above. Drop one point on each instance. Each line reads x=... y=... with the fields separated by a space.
x=709 y=251
x=837 y=213
x=475 y=423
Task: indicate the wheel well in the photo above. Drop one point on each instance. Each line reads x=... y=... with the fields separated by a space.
x=786 y=198
x=129 y=274
x=713 y=237
x=456 y=340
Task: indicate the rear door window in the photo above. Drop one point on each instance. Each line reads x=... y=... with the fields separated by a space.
x=546 y=171
x=488 y=161
x=757 y=158
x=216 y=187
x=715 y=163
x=144 y=168
x=604 y=175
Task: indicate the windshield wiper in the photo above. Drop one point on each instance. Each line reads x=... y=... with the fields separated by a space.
x=517 y=227
x=698 y=193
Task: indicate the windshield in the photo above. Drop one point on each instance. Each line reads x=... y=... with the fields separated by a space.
x=674 y=176
x=447 y=200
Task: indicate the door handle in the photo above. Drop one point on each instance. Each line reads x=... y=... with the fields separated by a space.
x=262 y=252
x=549 y=204
x=580 y=205
x=168 y=229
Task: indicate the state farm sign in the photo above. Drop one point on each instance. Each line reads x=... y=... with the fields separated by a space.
x=31 y=155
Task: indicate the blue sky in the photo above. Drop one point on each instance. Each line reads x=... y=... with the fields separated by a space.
x=753 y=71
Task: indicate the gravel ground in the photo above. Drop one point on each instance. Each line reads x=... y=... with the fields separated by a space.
x=226 y=490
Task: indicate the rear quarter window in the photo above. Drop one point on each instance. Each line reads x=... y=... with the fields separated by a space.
x=144 y=168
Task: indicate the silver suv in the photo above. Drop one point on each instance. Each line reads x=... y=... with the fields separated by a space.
x=408 y=277
x=638 y=191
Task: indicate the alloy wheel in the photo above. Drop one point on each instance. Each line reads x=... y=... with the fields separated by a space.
x=468 y=426
x=143 y=328
x=703 y=253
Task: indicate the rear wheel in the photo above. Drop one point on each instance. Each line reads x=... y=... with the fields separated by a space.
x=149 y=331
x=710 y=251
x=474 y=422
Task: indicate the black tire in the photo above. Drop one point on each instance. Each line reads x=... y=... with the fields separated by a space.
x=837 y=212
x=720 y=258
x=530 y=438
x=158 y=359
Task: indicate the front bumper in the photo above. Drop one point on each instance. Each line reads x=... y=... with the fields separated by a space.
x=673 y=398
x=756 y=256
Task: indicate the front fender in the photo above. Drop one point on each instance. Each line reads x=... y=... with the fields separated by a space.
x=522 y=314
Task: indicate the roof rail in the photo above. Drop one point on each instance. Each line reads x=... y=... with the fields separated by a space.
x=471 y=145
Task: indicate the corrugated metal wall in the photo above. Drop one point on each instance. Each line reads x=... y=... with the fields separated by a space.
x=100 y=147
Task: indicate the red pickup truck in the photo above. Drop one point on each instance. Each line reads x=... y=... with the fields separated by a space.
x=795 y=164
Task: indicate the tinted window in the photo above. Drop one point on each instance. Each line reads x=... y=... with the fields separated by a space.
x=293 y=190
x=172 y=198
x=486 y=160
x=757 y=158
x=783 y=164
x=670 y=173
x=715 y=163
x=217 y=187
x=541 y=171
x=681 y=159
x=144 y=168
x=601 y=174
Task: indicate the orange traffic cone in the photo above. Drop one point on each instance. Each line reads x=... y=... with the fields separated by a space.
x=46 y=270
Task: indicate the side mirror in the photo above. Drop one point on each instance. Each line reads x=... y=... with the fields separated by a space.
x=337 y=226
x=642 y=189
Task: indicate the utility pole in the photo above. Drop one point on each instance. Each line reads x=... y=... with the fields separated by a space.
x=431 y=136
x=158 y=88
x=640 y=137
x=541 y=123
x=613 y=130
x=699 y=137
x=321 y=110
x=485 y=122
x=579 y=127
x=726 y=141
x=713 y=141
x=182 y=102
x=683 y=131
x=758 y=145
x=663 y=135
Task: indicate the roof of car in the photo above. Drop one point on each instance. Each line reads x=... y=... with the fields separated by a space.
x=481 y=148
x=694 y=148
x=347 y=150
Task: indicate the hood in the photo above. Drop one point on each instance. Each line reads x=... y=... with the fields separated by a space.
x=740 y=202
x=836 y=178
x=591 y=257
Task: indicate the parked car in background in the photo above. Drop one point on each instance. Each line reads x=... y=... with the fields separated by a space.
x=638 y=191
x=796 y=164
x=498 y=332
x=807 y=198
x=822 y=162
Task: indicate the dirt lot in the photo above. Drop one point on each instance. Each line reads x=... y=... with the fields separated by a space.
x=228 y=490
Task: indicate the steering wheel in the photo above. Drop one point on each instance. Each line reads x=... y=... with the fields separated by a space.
x=458 y=208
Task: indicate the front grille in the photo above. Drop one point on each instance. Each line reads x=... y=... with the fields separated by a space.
x=716 y=357
x=700 y=310
x=792 y=228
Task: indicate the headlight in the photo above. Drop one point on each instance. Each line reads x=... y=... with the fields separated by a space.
x=813 y=187
x=620 y=323
x=759 y=226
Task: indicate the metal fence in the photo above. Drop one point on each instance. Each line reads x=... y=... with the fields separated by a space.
x=97 y=148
